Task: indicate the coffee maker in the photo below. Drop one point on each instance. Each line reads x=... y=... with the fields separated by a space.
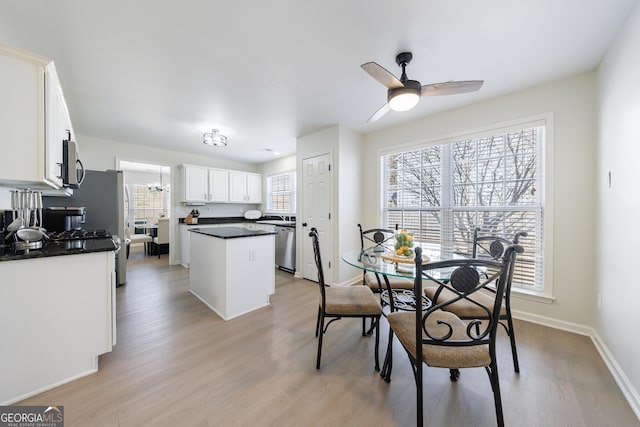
x=57 y=219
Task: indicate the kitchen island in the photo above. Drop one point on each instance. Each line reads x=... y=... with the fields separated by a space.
x=232 y=269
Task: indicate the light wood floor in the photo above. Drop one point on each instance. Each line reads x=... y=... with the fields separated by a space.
x=178 y=364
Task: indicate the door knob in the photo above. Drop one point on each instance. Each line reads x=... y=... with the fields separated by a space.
x=304 y=224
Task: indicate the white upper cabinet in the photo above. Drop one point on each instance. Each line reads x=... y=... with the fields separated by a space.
x=245 y=187
x=34 y=120
x=205 y=185
x=210 y=185
x=196 y=184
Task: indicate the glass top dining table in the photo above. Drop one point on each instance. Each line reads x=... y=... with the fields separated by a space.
x=383 y=261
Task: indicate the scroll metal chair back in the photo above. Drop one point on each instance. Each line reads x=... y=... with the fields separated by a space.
x=494 y=247
x=374 y=240
x=376 y=236
x=343 y=301
x=439 y=338
x=491 y=245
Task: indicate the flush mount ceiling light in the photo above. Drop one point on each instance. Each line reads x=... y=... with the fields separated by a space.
x=271 y=150
x=214 y=138
x=404 y=98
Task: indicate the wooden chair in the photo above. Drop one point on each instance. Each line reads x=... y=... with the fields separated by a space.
x=163 y=234
x=337 y=302
x=441 y=339
x=488 y=247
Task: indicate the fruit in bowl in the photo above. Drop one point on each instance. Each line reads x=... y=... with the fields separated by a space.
x=404 y=243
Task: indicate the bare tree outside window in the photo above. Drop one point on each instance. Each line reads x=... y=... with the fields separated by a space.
x=443 y=192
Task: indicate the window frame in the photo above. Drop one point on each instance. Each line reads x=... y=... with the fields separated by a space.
x=292 y=193
x=545 y=294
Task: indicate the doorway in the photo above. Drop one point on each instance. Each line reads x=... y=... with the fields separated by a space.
x=317 y=193
x=147 y=200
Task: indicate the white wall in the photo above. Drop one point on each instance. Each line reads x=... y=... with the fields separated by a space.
x=618 y=206
x=572 y=102
x=5 y=198
x=349 y=176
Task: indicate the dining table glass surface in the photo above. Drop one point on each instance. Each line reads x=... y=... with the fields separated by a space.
x=385 y=263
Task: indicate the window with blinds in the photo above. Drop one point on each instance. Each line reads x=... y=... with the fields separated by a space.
x=281 y=190
x=493 y=181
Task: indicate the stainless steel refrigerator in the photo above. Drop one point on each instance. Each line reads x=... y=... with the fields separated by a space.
x=102 y=195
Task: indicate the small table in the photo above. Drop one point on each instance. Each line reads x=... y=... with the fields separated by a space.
x=384 y=263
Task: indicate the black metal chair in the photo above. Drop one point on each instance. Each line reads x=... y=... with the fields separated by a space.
x=347 y=301
x=488 y=247
x=439 y=338
x=378 y=237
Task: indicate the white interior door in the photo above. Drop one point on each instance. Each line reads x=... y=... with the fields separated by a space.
x=316 y=212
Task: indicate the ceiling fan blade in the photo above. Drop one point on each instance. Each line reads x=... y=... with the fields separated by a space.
x=382 y=75
x=451 y=88
x=378 y=114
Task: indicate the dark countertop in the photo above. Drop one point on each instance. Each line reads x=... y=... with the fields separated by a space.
x=69 y=247
x=232 y=220
x=230 y=232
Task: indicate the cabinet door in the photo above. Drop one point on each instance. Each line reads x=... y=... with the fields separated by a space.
x=254 y=188
x=21 y=119
x=196 y=183
x=58 y=126
x=218 y=185
x=237 y=187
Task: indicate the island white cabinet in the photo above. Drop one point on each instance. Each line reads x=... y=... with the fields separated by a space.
x=34 y=120
x=57 y=315
x=245 y=187
x=205 y=185
x=232 y=269
x=185 y=242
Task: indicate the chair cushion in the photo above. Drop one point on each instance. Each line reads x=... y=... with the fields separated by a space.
x=395 y=282
x=403 y=324
x=465 y=308
x=351 y=300
x=140 y=238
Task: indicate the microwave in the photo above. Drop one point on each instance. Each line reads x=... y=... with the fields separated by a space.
x=72 y=167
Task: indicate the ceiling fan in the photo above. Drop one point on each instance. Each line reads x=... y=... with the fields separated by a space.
x=404 y=94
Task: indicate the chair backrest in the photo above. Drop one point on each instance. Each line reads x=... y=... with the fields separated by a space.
x=163 y=230
x=377 y=236
x=492 y=246
x=463 y=282
x=316 y=252
x=139 y=221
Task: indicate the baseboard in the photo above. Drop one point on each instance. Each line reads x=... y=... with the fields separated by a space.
x=553 y=323
x=621 y=379
x=48 y=387
x=629 y=391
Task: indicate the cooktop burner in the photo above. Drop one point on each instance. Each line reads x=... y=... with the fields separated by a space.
x=79 y=235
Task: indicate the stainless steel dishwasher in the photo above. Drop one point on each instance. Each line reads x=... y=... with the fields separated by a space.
x=286 y=248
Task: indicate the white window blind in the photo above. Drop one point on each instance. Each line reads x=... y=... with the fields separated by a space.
x=282 y=193
x=493 y=181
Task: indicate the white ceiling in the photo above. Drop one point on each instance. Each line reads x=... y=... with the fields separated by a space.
x=161 y=72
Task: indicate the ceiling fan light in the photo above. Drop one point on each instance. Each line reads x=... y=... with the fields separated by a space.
x=403 y=99
x=214 y=138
